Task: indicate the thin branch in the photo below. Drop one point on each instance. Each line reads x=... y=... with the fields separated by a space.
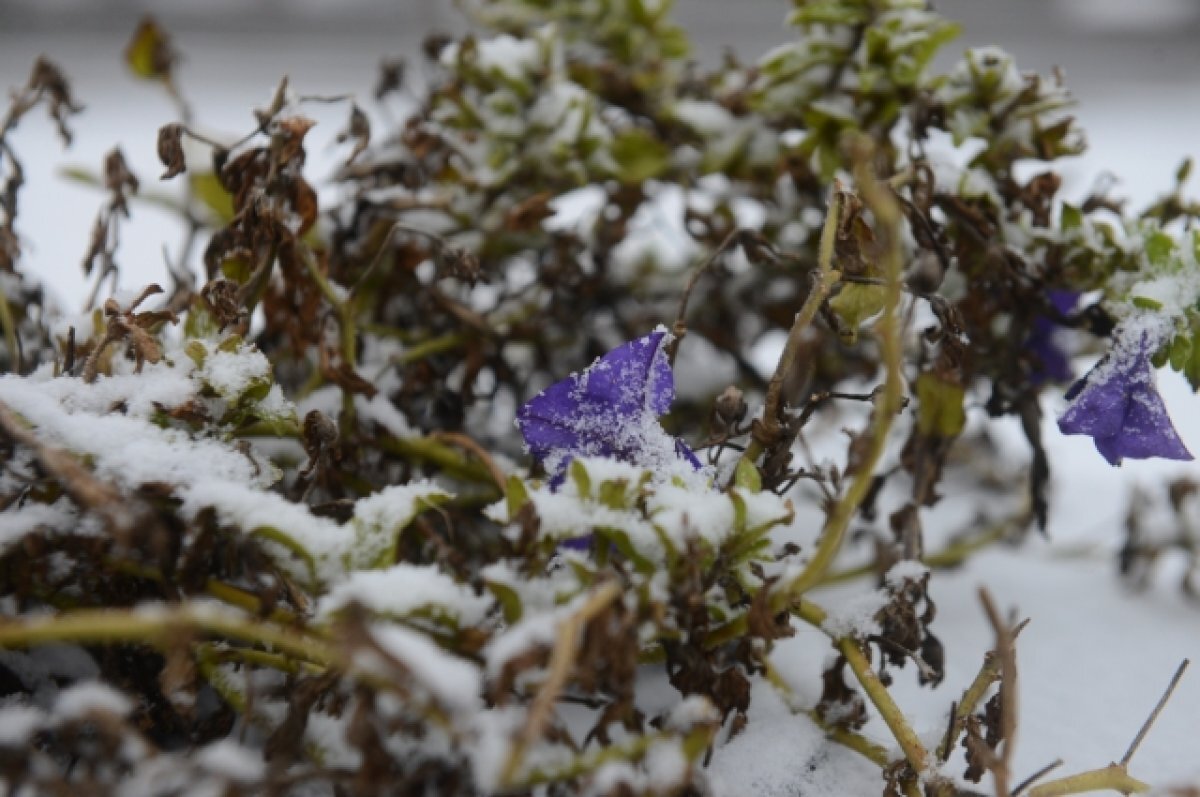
x=1007 y=658
x=1162 y=702
x=562 y=658
x=1036 y=776
x=679 y=328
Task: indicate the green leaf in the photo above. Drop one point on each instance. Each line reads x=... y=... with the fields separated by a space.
x=940 y=410
x=285 y=540
x=1159 y=247
x=856 y=303
x=612 y=494
x=829 y=12
x=1072 y=218
x=1180 y=352
x=1184 y=171
x=509 y=600
x=515 y=495
x=579 y=475
x=1146 y=303
x=196 y=351
x=639 y=156
x=747 y=477
x=1191 y=368
x=208 y=189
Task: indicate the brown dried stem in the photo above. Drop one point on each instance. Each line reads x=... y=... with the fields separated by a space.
x=562 y=659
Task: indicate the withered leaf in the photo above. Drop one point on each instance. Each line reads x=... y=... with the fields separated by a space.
x=391 y=77
x=119 y=181
x=170 y=150
x=357 y=129
x=529 y=212
x=288 y=137
x=48 y=78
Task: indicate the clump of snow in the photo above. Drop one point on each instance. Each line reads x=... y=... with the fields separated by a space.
x=231 y=761
x=666 y=766
x=80 y=701
x=906 y=570
x=233 y=373
x=404 y=590
x=454 y=682
x=19 y=723
x=24 y=519
x=681 y=512
x=383 y=412
x=855 y=616
x=380 y=517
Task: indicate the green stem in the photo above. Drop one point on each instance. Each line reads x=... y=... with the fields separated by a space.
x=1110 y=778
x=347 y=327
x=101 y=626
x=827 y=278
x=907 y=738
x=887 y=405
x=9 y=326
x=426 y=449
x=952 y=555
x=428 y=348
x=988 y=674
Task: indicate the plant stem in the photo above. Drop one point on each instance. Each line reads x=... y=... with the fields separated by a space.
x=952 y=555
x=888 y=404
x=1110 y=778
x=907 y=738
x=561 y=660
x=825 y=280
x=100 y=626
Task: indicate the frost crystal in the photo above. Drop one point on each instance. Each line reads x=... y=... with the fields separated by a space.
x=1118 y=406
x=611 y=409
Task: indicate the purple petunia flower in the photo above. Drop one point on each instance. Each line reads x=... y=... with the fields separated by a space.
x=1050 y=362
x=1118 y=406
x=610 y=409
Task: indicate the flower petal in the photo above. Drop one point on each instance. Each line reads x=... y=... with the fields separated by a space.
x=609 y=409
x=1118 y=405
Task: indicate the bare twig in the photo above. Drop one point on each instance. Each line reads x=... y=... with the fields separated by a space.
x=561 y=659
x=1162 y=702
x=679 y=328
x=1036 y=776
x=1007 y=659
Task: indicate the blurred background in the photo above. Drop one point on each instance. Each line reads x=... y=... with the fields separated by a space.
x=1133 y=67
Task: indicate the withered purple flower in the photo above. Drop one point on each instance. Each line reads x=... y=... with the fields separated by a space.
x=1118 y=406
x=610 y=409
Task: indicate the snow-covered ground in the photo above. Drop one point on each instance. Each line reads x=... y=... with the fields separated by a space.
x=1096 y=655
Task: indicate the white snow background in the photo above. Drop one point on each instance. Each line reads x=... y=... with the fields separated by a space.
x=1096 y=656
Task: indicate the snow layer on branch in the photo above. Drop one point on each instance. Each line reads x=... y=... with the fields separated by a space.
x=454 y=682
x=404 y=590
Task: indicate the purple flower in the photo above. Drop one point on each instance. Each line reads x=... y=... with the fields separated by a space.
x=611 y=409
x=1050 y=362
x=1118 y=406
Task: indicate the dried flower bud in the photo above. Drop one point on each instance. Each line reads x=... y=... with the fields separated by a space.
x=925 y=274
x=728 y=411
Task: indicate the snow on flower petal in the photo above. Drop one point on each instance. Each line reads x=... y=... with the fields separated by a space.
x=1118 y=405
x=610 y=409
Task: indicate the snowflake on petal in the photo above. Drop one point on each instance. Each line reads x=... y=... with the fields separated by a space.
x=1118 y=405
x=610 y=409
